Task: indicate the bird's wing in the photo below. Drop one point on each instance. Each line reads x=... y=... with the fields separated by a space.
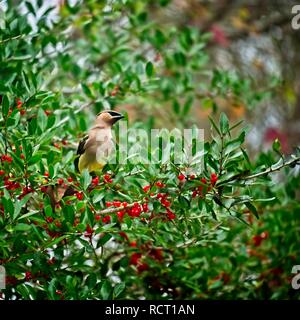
x=80 y=151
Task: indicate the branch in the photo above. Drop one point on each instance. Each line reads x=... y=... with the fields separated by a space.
x=295 y=161
x=273 y=169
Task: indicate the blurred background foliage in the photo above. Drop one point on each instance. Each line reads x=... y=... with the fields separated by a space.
x=165 y=63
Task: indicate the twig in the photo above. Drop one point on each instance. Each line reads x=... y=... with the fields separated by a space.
x=294 y=161
x=271 y=169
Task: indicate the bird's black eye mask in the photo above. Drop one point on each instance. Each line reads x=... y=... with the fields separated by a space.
x=114 y=114
x=111 y=113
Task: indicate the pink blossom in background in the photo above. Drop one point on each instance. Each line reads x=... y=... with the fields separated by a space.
x=219 y=36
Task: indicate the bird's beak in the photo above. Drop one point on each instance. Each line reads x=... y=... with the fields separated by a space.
x=118 y=116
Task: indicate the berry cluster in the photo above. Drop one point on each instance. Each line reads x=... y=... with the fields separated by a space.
x=137 y=259
x=205 y=187
x=11 y=185
x=257 y=239
x=20 y=107
x=6 y=158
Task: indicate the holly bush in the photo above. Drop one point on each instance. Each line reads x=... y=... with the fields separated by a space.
x=225 y=228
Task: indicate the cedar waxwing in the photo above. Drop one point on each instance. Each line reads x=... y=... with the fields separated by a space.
x=95 y=148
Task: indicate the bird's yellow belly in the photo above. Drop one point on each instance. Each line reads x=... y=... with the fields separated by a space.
x=89 y=163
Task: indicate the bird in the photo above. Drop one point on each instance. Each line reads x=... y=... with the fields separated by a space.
x=94 y=149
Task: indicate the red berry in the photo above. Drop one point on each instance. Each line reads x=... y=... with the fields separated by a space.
x=159 y=184
x=257 y=240
x=171 y=215
x=145 y=207
x=28 y=275
x=46 y=174
x=192 y=176
x=59 y=292
x=95 y=181
x=2 y=172
x=132 y=244
x=97 y=217
x=135 y=258
x=108 y=204
x=58 y=224
x=19 y=102
x=22 y=156
x=213 y=179
x=203 y=180
x=88 y=229
x=106 y=219
x=181 y=177
x=51 y=261
x=123 y=235
x=47 y=112
x=143 y=267
x=70 y=179
x=79 y=195
x=44 y=188
x=106 y=177
x=156 y=254
x=146 y=188
x=49 y=219
x=117 y=204
x=22 y=112
x=56 y=145
x=120 y=214
x=60 y=181
x=165 y=203
x=124 y=204
x=194 y=194
x=6 y=158
x=135 y=212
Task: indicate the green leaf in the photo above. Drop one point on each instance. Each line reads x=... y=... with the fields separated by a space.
x=20 y=204
x=86 y=179
x=22 y=227
x=91 y=281
x=34 y=159
x=5 y=106
x=8 y=205
x=55 y=241
x=184 y=202
x=30 y=7
x=176 y=106
x=42 y=119
x=118 y=289
x=224 y=123
x=149 y=69
x=106 y=290
x=26 y=81
x=187 y=106
x=252 y=208
x=52 y=288
x=86 y=90
x=276 y=146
